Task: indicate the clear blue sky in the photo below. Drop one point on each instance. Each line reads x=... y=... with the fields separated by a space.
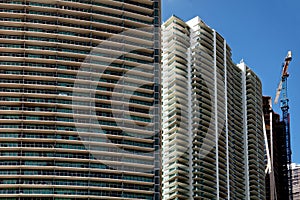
x=260 y=32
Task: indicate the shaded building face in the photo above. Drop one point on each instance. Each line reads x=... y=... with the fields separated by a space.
x=276 y=177
x=79 y=114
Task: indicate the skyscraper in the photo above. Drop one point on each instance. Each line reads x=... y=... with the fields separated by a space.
x=296 y=181
x=79 y=113
x=276 y=176
x=211 y=117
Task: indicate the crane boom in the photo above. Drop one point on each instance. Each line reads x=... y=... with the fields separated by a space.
x=288 y=59
x=279 y=88
x=284 y=73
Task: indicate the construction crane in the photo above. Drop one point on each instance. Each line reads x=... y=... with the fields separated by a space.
x=282 y=89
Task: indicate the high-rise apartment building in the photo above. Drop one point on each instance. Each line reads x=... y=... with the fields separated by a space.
x=296 y=181
x=276 y=176
x=213 y=144
x=79 y=99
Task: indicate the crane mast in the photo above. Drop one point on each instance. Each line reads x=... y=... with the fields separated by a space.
x=282 y=88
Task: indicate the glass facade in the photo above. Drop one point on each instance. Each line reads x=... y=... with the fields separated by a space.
x=79 y=96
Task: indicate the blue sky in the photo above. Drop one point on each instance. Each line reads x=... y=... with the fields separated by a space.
x=260 y=32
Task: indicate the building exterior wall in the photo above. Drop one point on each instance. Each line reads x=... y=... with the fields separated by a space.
x=276 y=178
x=255 y=136
x=296 y=181
x=175 y=110
x=79 y=87
x=208 y=117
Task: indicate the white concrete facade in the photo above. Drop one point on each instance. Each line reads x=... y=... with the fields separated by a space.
x=205 y=116
x=296 y=181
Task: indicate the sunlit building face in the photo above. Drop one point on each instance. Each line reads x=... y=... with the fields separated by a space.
x=211 y=117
